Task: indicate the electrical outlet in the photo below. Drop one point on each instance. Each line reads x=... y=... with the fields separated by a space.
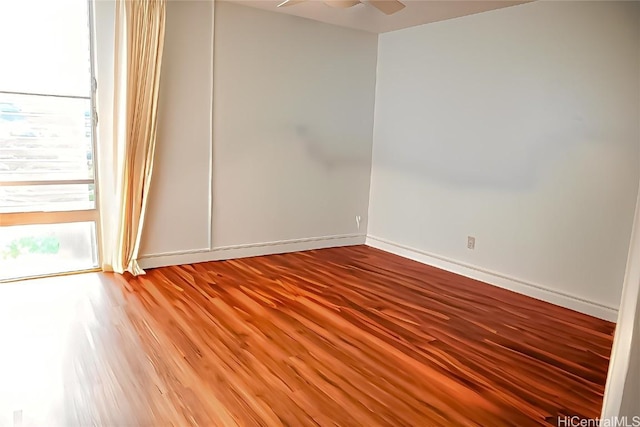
x=471 y=242
x=358 y=219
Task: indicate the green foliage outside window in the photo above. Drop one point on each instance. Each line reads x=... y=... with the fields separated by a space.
x=31 y=245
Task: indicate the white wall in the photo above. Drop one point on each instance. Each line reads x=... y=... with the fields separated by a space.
x=622 y=392
x=293 y=126
x=519 y=127
x=292 y=132
x=177 y=216
x=630 y=405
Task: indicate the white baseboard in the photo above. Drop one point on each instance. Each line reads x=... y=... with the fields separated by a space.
x=249 y=250
x=497 y=279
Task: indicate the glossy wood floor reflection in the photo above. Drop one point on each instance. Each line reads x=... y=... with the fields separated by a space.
x=346 y=336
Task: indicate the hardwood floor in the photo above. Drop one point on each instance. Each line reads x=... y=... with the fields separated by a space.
x=348 y=336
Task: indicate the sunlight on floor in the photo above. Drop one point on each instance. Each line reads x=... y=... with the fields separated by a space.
x=38 y=322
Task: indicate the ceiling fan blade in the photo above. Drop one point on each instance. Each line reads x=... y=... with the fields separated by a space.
x=387 y=6
x=343 y=4
x=290 y=2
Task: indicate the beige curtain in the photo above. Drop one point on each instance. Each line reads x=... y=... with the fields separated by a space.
x=139 y=37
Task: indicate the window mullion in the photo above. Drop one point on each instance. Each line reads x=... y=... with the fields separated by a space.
x=47 y=182
x=27 y=218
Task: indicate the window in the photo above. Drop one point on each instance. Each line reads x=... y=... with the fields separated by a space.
x=48 y=209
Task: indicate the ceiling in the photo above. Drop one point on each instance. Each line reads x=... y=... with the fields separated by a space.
x=367 y=18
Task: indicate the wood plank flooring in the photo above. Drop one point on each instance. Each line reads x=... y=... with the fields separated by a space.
x=345 y=336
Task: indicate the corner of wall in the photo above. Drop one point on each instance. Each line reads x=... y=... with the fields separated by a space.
x=373 y=134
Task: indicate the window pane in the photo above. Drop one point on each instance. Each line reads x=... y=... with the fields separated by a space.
x=45 y=47
x=34 y=250
x=36 y=198
x=45 y=138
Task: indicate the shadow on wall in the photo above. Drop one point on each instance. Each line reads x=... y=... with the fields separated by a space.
x=509 y=148
x=327 y=148
x=337 y=151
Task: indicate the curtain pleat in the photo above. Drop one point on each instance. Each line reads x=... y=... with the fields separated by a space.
x=139 y=38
